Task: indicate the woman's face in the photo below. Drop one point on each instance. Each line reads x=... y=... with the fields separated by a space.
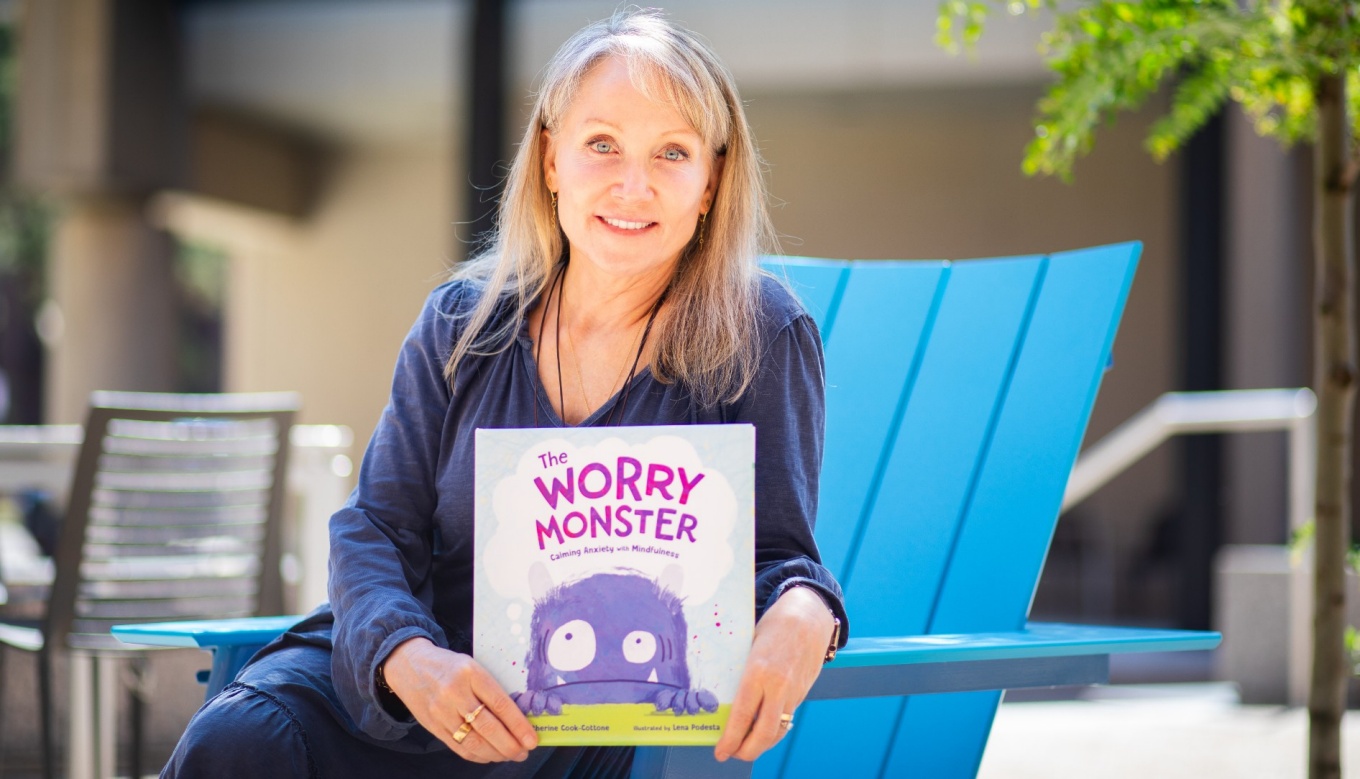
x=631 y=176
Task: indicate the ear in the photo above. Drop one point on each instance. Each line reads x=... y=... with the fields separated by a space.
x=672 y=579
x=549 y=159
x=540 y=581
x=714 y=176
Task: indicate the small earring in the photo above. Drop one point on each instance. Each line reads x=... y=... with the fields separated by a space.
x=554 y=202
x=703 y=217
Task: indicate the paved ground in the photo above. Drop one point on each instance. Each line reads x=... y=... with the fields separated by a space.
x=1194 y=731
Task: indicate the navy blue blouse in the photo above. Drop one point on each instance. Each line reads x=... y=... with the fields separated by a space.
x=401 y=548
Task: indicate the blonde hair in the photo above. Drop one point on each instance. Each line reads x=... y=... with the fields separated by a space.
x=704 y=342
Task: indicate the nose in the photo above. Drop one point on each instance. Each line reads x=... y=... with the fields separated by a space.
x=634 y=182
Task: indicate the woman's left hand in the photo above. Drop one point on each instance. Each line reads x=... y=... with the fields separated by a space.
x=786 y=656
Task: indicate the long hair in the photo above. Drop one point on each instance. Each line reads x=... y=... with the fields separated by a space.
x=705 y=340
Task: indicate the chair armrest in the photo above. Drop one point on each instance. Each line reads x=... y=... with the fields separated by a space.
x=1040 y=655
x=231 y=641
x=207 y=633
x=1037 y=639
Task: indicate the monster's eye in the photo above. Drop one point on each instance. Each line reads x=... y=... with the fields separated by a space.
x=639 y=646
x=572 y=646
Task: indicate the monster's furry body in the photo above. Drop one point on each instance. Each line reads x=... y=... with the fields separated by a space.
x=635 y=634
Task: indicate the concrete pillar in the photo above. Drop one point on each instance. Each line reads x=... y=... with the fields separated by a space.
x=111 y=283
x=100 y=126
x=1267 y=320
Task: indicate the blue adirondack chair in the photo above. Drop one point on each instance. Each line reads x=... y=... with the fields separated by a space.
x=957 y=396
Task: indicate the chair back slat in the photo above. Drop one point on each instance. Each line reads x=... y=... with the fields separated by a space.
x=818 y=284
x=258 y=445
x=108 y=523
x=925 y=487
x=965 y=349
x=107 y=499
x=174 y=515
x=1014 y=508
x=1038 y=434
x=118 y=590
x=156 y=481
x=869 y=362
x=184 y=463
x=150 y=609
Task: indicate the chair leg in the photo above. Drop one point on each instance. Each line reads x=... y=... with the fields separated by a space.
x=105 y=714
x=137 y=712
x=3 y=652
x=45 y=706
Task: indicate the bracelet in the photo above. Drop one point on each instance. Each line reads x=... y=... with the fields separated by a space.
x=388 y=698
x=835 y=639
x=381 y=679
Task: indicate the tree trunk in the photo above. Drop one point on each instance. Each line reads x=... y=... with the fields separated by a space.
x=1334 y=380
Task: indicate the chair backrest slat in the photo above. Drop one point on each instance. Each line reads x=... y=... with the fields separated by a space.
x=869 y=362
x=819 y=285
x=118 y=590
x=1001 y=546
x=935 y=458
x=1014 y=508
x=107 y=499
x=111 y=519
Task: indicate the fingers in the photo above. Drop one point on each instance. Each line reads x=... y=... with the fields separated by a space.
x=751 y=728
x=507 y=729
x=486 y=740
x=786 y=657
x=460 y=703
x=740 y=718
x=764 y=734
x=493 y=728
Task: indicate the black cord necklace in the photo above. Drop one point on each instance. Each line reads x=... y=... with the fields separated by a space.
x=556 y=287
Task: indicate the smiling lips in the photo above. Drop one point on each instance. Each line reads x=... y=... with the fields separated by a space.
x=624 y=224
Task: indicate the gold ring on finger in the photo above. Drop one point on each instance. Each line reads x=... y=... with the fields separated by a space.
x=468 y=718
x=462 y=733
x=786 y=722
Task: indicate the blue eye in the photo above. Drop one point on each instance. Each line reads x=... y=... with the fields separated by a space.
x=675 y=155
x=603 y=147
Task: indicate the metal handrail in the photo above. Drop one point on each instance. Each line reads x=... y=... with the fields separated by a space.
x=1227 y=411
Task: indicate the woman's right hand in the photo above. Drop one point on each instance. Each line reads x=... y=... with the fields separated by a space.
x=440 y=687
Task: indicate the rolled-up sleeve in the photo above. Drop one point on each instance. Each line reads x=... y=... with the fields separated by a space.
x=787 y=405
x=382 y=539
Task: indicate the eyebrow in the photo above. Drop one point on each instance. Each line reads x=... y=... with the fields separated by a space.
x=686 y=130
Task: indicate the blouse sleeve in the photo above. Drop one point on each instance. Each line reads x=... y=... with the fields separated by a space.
x=382 y=539
x=787 y=405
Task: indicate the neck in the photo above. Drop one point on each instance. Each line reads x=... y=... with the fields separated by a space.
x=600 y=303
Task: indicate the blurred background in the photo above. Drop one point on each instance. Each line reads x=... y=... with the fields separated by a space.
x=249 y=195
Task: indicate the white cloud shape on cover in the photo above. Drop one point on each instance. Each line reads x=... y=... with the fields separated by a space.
x=518 y=505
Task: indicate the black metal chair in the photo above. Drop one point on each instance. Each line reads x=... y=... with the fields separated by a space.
x=174 y=513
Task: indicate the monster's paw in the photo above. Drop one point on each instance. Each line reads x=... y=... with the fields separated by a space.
x=686 y=701
x=537 y=702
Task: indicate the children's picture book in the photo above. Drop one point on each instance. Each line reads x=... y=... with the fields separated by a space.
x=614 y=578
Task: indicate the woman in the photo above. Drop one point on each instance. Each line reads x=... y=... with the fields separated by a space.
x=621 y=289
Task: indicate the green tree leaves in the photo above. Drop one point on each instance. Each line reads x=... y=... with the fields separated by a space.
x=1112 y=55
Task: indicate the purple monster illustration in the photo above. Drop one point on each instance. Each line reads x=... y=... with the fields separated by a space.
x=609 y=638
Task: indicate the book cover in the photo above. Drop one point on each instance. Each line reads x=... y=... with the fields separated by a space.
x=614 y=578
